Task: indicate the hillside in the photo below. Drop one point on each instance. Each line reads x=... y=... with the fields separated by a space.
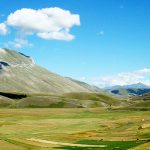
x=87 y=86
x=5 y=101
x=144 y=97
x=19 y=73
x=139 y=102
x=25 y=84
x=68 y=100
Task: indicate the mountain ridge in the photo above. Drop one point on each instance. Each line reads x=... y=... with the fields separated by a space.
x=138 y=85
x=21 y=74
x=133 y=89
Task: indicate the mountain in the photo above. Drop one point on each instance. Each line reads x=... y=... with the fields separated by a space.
x=133 y=89
x=20 y=74
x=131 y=86
x=23 y=83
x=137 y=86
x=87 y=86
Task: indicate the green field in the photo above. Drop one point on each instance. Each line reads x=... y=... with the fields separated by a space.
x=51 y=128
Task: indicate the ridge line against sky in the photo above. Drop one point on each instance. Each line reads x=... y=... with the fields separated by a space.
x=97 y=41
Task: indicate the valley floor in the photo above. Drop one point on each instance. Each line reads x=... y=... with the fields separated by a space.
x=75 y=128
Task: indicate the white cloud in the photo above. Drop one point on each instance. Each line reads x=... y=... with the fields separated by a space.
x=3 y=29
x=56 y=36
x=47 y=23
x=142 y=76
x=19 y=43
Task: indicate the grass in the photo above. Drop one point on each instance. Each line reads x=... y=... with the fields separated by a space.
x=111 y=145
x=115 y=128
x=102 y=97
x=70 y=100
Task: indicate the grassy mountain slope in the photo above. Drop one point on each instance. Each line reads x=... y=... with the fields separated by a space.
x=87 y=86
x=25 y=84
x=22 y=75
x=96 y=97
x=4 y=101
x=69 y=100
x=140 y=102
x=144 y=97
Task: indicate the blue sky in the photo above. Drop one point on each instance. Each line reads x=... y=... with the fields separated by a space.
x=113 y=38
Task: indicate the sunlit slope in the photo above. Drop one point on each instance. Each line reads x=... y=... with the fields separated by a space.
x=19 y=73
x=87 y=86
x=144 y=97
x=69 y=100
x=103 y=98
x=4 y=101
x=142 y=101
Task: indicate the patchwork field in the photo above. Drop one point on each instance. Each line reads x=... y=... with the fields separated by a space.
x=75 y=128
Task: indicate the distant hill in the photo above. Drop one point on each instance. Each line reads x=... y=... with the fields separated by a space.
x=141 y=102
x=130 y=91
x=131 y=86
x=133 y=89
x=19 y=73
x=144 y=97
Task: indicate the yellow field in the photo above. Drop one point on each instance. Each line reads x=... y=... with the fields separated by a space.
x=71 y=126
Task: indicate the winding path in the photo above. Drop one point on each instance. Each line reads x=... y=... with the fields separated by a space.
x=64 y=144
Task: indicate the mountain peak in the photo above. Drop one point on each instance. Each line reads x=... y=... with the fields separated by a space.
x=137 y=86
x=14 y=58
x=140 y=83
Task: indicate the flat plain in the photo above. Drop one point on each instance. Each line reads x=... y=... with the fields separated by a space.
x=74 y=128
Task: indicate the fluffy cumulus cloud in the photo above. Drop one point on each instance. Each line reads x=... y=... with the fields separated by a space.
x=48 y=23
x=3 y=29
x=142 y=75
